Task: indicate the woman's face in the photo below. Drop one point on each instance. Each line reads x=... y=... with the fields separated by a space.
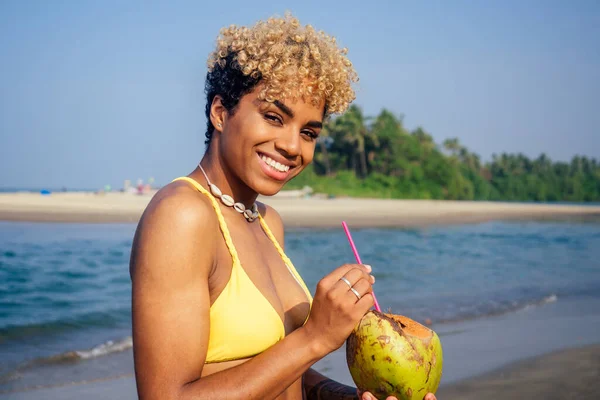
x=267 y=144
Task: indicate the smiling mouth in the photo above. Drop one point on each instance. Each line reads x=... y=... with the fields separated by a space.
x=274 y=164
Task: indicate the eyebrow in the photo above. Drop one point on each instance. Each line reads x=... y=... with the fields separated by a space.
x=288 y=111
x=314 y=124
x=285 y=109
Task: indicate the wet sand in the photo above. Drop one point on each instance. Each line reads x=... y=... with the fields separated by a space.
x=567 y=374
x=551 y=352
x=296 y=212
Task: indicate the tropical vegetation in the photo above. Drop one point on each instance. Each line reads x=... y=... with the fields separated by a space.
x=378 y=157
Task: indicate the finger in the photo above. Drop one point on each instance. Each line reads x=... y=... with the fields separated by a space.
x=430 y=396
x=353 y=276
x=346 y=267
x=331 y=279
x=359 y=289
x=342 y=286
x=367 y=396
x=363 y=305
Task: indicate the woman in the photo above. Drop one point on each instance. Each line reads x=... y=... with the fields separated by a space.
x=219 y=311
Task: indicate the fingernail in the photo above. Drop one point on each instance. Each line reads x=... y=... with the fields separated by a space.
x=368 y=267
x=372 y=279
x=367 y=397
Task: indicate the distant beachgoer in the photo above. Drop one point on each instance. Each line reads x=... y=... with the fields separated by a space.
x=219 y=312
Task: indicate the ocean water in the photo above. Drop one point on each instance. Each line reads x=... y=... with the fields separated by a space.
x=65 y=288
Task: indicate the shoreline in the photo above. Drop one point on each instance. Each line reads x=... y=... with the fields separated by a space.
x=527 y=360
x=84 y=207
x=517 y=355
x=536 y=377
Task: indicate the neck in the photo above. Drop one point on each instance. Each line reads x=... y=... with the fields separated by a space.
x=220 y=175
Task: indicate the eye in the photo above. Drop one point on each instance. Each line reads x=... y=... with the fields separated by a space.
x=311 y=134
x=274 y=118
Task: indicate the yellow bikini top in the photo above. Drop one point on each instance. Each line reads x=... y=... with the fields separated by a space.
x=242 y=321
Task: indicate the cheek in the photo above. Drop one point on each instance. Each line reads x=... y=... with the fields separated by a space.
x=231 y=147
x=308 y=153
x=237 y=136
x=254 y=130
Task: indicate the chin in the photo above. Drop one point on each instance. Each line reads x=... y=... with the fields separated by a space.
x=270 y=187
x=270 y=190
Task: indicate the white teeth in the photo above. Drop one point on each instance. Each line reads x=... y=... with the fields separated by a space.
x=274 y=164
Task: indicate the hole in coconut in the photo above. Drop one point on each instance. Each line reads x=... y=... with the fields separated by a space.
x=409 y=326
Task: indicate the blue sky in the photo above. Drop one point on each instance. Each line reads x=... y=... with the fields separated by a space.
x=95 y=92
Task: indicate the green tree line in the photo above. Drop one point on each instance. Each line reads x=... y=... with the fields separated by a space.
x=378 y=157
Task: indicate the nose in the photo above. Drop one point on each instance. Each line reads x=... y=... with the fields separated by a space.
x=289 y=143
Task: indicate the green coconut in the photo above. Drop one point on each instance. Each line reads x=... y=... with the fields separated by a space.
x=392 y=355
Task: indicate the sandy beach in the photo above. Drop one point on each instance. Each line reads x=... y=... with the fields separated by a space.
x=296 y=212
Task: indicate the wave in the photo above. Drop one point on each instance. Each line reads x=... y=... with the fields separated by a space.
x=100 y=350
x=106 y=348
x=546 y=300
x=126 y=343
x=514 y=307
x=73 y=356
x=97 y=319
x=115 y=346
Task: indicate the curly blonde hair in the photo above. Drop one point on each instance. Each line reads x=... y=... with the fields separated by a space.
x=289 y=60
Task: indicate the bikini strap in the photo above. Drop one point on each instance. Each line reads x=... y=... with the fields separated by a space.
x=228 y=241
x=284 y=257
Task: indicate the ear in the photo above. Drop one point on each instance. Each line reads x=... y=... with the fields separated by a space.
x=218 y=113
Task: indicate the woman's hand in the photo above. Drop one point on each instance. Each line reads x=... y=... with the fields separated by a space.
x=369 y=396
x=341 y=300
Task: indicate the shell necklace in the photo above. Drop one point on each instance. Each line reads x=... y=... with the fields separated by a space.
x=250 y=214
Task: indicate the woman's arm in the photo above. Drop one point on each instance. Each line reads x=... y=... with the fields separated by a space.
x=320 y=387
x=172 y=257
x=316 y=386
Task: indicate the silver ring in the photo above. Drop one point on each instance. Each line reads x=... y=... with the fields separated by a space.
x=355 y=292
x=343 y=279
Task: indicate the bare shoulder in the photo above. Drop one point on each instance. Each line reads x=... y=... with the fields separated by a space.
x=172 y=257
x=181 y=200
x=178 y=220
x=273 y=219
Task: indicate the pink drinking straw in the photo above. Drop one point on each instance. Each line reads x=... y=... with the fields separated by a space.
x=358 y=258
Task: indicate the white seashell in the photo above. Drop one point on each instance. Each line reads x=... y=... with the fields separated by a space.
x=254 y=208
x=227 y=200
x=239 y=207
x=215 y=190
x=255 y=214
x=248 y=214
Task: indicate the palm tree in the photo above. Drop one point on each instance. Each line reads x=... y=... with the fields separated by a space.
x=350 y=129
x=323 y=140
x=452 y=145
x=385 y=131
x=424 y=138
